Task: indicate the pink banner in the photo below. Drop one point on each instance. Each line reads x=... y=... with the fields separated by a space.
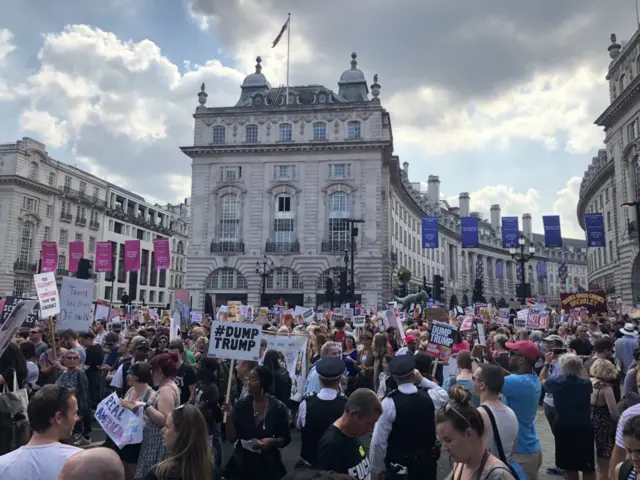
x=49 y=257
x=131 y=255
x=162 y=252
x=76 y=252
x=104 y=257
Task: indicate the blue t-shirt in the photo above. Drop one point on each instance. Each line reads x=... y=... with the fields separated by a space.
x=522 y=394
x=466 y=384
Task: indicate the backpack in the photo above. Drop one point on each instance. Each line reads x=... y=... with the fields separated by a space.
x=14 y=424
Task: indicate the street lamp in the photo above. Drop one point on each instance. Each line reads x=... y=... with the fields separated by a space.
x=346 y=274
x=264 y=269
x=522 y=258
x=354 y=233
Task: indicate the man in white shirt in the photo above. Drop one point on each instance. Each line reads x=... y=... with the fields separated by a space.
x=96 y=464
x=410 y=349
x=53 y=411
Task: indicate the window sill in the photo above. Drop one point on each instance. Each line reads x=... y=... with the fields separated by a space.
x=320 y=140
x=352 y=139
x=284 y=141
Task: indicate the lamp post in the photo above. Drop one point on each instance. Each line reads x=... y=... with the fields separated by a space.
x=354 y=233
x=264 y=269
x=346 y=274
x=522 y=258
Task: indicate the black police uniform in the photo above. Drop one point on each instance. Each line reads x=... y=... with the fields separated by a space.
x=413 y=434
x=320 y=414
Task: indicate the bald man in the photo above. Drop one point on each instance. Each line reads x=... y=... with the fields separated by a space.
x=95 y=463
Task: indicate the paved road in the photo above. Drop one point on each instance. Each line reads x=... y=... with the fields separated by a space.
x=290 y=455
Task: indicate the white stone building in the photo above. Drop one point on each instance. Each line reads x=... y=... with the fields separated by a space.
x=180 y=227
x=274 y=180
x=42 y=199
x=611 y=184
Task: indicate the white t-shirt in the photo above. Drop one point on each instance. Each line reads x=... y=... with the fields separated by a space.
x=43 y=462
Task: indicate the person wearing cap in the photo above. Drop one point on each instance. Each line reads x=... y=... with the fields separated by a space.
x=319 y=410
x=139 y=348
x=551 y=370
x=411 y=348
x=625 y=347
x=521 y=391
x=405 y=434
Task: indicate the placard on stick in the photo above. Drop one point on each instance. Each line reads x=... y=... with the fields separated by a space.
x=235 y=341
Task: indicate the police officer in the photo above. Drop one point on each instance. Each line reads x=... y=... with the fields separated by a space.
x=319 y=410
x=405 y=434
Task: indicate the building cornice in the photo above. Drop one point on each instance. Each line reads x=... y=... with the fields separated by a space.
x=28 y=183
x=291 y=109
x=288 y=147
x=619 y=105
x=603 y=174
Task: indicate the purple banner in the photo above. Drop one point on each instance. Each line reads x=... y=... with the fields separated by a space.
x=429 y=232
x=469 y=232
x=595 y=229
x=510 y=232
x=131 y=255
x=76 y=252
x=552 y=232
x=162 y=255
x=104 y=257
x=49 y=257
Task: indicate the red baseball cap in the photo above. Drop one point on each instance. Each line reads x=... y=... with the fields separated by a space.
x=410 y=338
x=525 y=348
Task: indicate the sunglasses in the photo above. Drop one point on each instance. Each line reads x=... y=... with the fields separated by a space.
x=450 y=408
x=72 y=358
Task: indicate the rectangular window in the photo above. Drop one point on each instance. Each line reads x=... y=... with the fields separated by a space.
x=340 y=171
x=251 y=133
x=64 y=237
x=353 y=130
x=161 y=294
x=319 y=131
x=633 y=130
x=284 y=204
x=611 y=250
x=226 y=278
x=47 y=234
x=219 y=134
x=67 y=182
x=83 y=187
x=96 y=192
x=339 y=231
x=283 y=230
x=230 y=174
x=609 y=220
x=79 y=237
x=92 y=244
x=30 y=204
x=285 y=132
x=49 y=210
x=284 y=172
x=19 y=288
x=52 y=178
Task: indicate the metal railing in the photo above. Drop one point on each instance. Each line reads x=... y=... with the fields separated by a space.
x=282 y=247
x=227 y=247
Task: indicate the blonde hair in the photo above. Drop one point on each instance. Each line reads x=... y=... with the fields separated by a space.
x=603 y=370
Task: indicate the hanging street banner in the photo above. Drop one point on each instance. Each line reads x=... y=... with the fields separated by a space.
x=49 y=257
x=162 y=253
x=235 y=341
x=430 y=232
x=104 y=257
x=469 y=232
x=595 y=229
x=552 y=232
x=510 y=232
x=131 y=255
x=594 y=301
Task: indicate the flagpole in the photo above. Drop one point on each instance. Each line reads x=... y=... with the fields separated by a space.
x=288 y=53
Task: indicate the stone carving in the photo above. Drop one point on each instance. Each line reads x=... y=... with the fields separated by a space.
x=302 y=128
x=208 y=121
x=336 y=127
x=235 y=129
x=268 y=129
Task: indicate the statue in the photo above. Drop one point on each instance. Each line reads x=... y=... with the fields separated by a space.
x=420 y=298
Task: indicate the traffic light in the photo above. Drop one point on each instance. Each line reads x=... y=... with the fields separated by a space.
x=477 y=291
x=343 y=285
x=329 y=292
x=438 y=290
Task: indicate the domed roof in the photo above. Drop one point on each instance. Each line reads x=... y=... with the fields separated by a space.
x=353 y=75
x=257 y=79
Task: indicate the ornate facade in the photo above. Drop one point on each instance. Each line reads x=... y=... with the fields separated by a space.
x=275 y=179
x=611 y=184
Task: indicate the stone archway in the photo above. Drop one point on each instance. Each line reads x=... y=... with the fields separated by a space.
x=465 y=300
x=453 y=302
x=635 y=279
x=492 y=301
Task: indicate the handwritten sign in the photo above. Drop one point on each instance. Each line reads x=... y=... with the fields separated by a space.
x=358 y=321
x=235 y=341
x=47 y=291
x=76 y=307
x=595 y=301
x=122 y=425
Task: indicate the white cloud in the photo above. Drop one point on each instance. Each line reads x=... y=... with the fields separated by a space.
x=54 y=132
x=565 y=206
x=543 y=109
x=513 y=203
x=6 y=47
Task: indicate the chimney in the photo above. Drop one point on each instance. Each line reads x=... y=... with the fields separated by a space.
x=405 y=167
x=433 y=191
x=495 y=216
x=464 y=203
x=526 y=226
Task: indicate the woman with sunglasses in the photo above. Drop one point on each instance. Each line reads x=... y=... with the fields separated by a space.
x=185 y=436
x=74 y=378
x=460 y=428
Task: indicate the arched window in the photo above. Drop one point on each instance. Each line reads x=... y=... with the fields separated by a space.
x=284 y=279
x=319 y=131
x=353 y=130
x=180 y=248
x=33 y=171
x=286 y=132
x=339 y=208
x=334 y=275
x=219 y=134
x=230 y=218
x=26 y=243
x=251 y=133
x=225 y=278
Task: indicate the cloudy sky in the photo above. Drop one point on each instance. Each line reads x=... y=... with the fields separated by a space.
x=496 y=97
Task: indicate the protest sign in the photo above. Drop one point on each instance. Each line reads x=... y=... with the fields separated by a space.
x=47 y=291
x=14 y=321
x=358 y=321
x=441 y=340
x=294 y=348
x=503 y=316
x=196 y=317
x=235 y=341
x=122 y=425
x=595 y=301
x=538 y=320
x=76 y=305
x=467 y=324
x=435 y=314
x=520 y=322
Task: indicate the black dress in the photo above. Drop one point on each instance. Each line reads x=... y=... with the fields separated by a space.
x=268 y=465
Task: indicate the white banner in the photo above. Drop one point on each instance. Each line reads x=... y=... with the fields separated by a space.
x=358 y=321
x=76 y=305
x=294 y=349
x=47 y=291
x=235 y=341
x=122 y=425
